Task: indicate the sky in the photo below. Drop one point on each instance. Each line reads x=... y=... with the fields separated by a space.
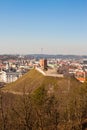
x=43 y=26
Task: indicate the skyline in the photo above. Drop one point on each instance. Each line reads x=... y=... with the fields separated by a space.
x=59 y=27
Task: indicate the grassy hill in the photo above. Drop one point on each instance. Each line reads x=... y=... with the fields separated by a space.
x=33 y=79
x=54 y=104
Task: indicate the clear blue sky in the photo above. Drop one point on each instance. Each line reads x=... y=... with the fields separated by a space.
x=57 y=26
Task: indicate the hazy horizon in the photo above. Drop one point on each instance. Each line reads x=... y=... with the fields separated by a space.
x=59 y=27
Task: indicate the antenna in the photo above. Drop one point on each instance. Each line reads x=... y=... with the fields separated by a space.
x=41 y=50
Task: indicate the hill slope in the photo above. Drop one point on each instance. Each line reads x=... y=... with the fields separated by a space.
x=33 y=79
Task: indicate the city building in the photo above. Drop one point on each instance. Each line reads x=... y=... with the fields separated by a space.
x=3 y=76
x=43 y=63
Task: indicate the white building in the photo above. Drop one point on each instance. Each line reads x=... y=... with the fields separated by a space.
x=12 y=76
x=3 y=76
x=9 y=77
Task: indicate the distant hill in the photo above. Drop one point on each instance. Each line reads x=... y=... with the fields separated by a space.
x=34 y=79
x=61 y=56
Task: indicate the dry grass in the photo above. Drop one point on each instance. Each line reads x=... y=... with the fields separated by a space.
x=33 y=79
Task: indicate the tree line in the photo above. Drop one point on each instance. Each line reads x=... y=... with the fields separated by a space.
x=41 y=110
